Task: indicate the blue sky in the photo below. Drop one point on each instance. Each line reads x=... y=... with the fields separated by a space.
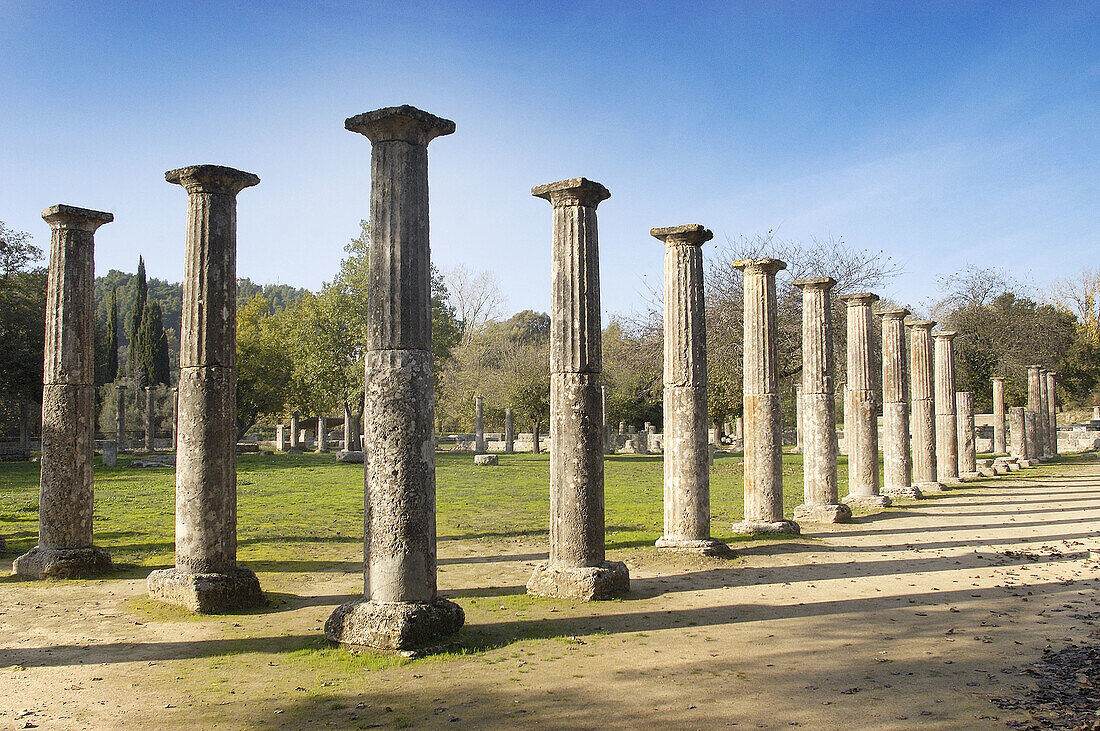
x=940 y=133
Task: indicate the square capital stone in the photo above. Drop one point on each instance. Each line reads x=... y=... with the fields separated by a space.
x=815 y=283
x=212 y=179
x=893 y=313
x=920 y=324
x=947 y=335
x=760 y=266
x=859 y=299
x=572 y=192
x=85 y=219
x=692 y=233
x=399 y=124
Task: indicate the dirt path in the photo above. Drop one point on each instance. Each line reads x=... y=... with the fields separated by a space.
x=915 y=615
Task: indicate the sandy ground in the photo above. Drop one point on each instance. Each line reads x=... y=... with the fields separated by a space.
x=915 y=616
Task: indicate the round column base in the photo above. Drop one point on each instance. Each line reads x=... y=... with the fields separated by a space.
x=867 y=502
x=823 y=513
x=393 y=625
x=928 y=487
x=702 y=546
x=947 y=482
x=911 y=492
x=63 y=563
x=206 y=593
x=582 y=583
x=964 y=476
x=765 y=528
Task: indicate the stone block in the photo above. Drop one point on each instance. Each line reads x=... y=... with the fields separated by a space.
x=823 y=513
x=585 y=583
x=911 y=492
x=353 y=456
x=393 y=625
x=485 y=459
x=203 y=593
x=63 y=563
x=867 y=502
x=703 y=547
x=765 y=528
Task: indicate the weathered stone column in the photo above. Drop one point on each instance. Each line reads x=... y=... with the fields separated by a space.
x=149 y=432
x=739 y=428
x=798 y=419
x=821 y=500
x=280 y=437
x=686 y=448
x=577 y=568
x=896 y=456
x=1052 y=411
x=295 y=434
x=120 y=419
x=1035 y=406
x=400 y=607
x=923 y=421
x=1000 y=443
x=861 y=406
x=964 y=428
x=1017 y=432
x=479 y=425
x=348 y=434
x=322 y=433
x=66 y=489
x=509 y=431
x=1031 y=422
x=175 y=416
x=206 y=577
x=1042 y=418
x=763 y=420
x=947 y=437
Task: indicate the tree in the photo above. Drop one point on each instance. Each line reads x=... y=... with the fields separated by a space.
x=160 y=372
x=22 y=323
x=111 y=372
x=476 y=295
x=1080 y=296
x=263 y=367
x=137 y=315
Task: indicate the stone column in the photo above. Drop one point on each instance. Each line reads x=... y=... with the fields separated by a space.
x=798 y=420
x=400 y=607
x=149 y=419
x=964 y=426
x=947 y=437
x=1052 y=411
x=923 y=414
x=1035 y=405
x=1031 y=439
x=861 y=406
x=206 y=578
x=739 y=428
x=1017 y=432
x=120 y=419
x=509 y=431
x=280 y=437
x=821 y=500
x=764 y=423
x=896 y=457
x=1000 y=443
x=686 y=448
x=322 y=433
x=1042 y=418
x=175 y=416
x=577 y=568
x=295 y=434
x=65 y=548
x=348 y=440
x=479 y=425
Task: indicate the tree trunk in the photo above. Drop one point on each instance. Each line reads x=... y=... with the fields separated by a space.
x=535 y=435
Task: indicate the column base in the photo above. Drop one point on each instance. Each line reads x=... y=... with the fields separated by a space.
x=867 y=502
x=929 y=487
x=969 y=475
x=987 y=472
x=583 y=583
x=823 y=513
x=912 y=492
x=1026 y=463
x=393 y=625
x=765 y=528
x=702 y=546
x=947 y=482
x=211 y=593
x=63 y=563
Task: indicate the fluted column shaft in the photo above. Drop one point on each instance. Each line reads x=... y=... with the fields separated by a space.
x=1000 y=443
x=896 y=455
x=1017 y=432
x=1035 y=406
x=295 y=433
x=819 y=444
x=923 y=413
x=509 y=431
x=964 y=421
x=1052 y=412
x=479 y=425
x=1043 y=417
x=947 y=437
x=686 y=447
x=861 y=400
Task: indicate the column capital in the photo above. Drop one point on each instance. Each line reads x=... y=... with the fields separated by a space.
x=857 y=299
x=399 y=124
x=1034 y=366
x=572 y=192
x=691 y=234
x=921 y=324
x=998 y=378
x=211 y=179
x=947 y=335
x=825 y=283
x=85 y=219
x=764 y=266
x=1052 y=373
x=894 y=313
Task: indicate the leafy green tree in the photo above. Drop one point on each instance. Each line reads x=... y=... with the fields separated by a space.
x=22 y=323
x=263 y=367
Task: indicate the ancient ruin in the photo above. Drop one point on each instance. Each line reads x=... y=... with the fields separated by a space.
x=1052 y=414
x=923 y=406
x=897 y=460
x=1000 y=443
x=964 y=426
x=947 y=437
x=861 y=406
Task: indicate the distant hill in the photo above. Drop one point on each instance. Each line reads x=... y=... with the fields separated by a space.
x=169 y=295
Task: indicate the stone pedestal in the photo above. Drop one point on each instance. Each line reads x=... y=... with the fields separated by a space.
x=65 y=549
x=110 y=454
x=206 y=577
x=686 y=448
x=280 y=438
x=861 y=407
x=821 y=500
x=577 y=568
x=479 y=425
x=1017 y=432
x=923 y=414
x=1000 y=440
x=964 y=415
x=400 y=607
x=896 y=456
x=947 y=437
x=295 y=434
x=149 y=418
x=763 y=419
x=509 y=431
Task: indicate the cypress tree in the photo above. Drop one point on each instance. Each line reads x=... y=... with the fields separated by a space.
x=158 y=344
x=137 y=315
x=112 y=336
x=141 y=351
